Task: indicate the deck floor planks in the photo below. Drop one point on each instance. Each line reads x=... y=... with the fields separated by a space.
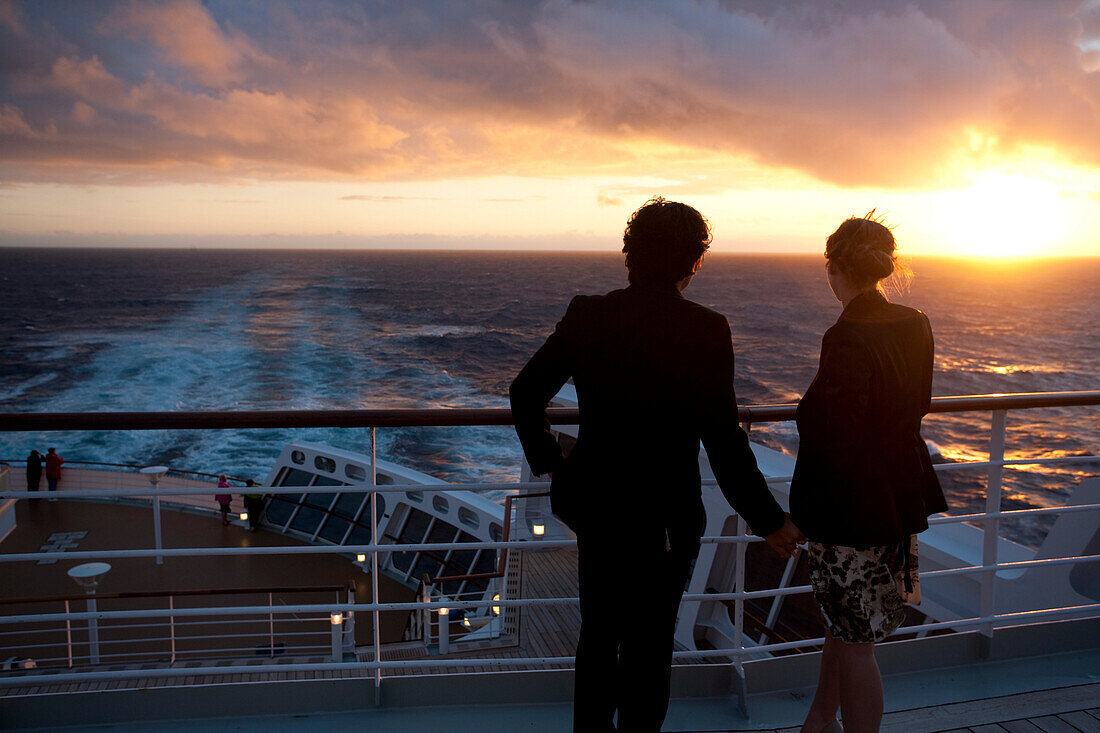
x=1054 y=724
x=1021 y=726
x=1082 y=721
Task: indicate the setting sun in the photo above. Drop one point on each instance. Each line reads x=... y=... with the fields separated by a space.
x=1004 y=216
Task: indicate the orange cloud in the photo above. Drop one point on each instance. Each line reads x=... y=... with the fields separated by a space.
x=187 y=36
x=859 y=94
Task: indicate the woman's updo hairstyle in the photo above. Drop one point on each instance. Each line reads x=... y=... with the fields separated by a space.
x=864 y=249
x=663 y=240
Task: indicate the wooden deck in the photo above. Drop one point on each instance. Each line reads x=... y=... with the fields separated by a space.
x=1067 y=710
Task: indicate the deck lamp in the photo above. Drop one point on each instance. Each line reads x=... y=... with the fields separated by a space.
x=155 y=474
x=538 y=529
x=444 y=611
x=244 y=516
x=466 y=622
x=336 y=618
x=361 y=557
x=496 y=609
x=87 y=577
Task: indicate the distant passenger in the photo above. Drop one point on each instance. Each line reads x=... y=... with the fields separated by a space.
x=654 y=376
x=224 y=500
x=34 y=470
x=53 y=469
x=863 y=482
x=253 y=505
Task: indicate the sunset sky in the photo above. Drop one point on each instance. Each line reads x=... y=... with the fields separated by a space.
x=973 y=126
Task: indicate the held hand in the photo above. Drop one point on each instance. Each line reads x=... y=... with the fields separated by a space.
x=786 y=539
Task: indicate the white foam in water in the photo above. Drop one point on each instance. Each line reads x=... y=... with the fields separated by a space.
x=444 y=330
x=263 y=344
x=21 y=388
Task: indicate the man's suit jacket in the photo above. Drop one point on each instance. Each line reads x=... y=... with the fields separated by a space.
x=863 y=475
x=654 y=376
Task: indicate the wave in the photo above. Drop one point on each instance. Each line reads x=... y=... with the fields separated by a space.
x=18 y=390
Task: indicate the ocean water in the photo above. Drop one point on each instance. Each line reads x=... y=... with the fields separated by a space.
x=108 y=330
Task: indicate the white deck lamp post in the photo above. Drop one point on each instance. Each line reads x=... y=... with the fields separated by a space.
x=87 y=577
x=336 y=637
x=155 y=474
x=444 y=629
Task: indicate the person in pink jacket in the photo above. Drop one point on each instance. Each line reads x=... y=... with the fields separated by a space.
x=223 y=499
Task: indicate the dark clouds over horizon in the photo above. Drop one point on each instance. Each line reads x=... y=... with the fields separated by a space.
x=853 y=93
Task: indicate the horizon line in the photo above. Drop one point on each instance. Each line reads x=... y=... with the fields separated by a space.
x=525 y=250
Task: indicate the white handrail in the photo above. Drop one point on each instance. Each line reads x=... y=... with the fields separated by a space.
x=986 y=621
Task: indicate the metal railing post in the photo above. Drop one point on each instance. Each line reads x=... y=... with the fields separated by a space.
x=156 y=526
x=172 y=627
x=93 y=630
x=991 y=525
x=740 y=688
x=374 y=565
x=69 y=635
x=271 y=626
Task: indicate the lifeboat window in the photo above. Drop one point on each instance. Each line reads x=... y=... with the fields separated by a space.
x=415 y=527
x=298 y=457
x=348 y=505
x=495 y=532
x=381 y=479
x=426 y=566
x=469 y=518
x=334 y=530
x=402 y=560
x=486 y=562
x=307 y=520
x=296 y=477
x=321 y=501
x=355 y=473
x=324 y=463
x=442 y=532
x=440 y=504
x=417 y=496
x=463 y=559
x=280 y=509
x=360 y=535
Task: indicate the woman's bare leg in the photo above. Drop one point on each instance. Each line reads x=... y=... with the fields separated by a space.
x=827 y=698
x=860 y=687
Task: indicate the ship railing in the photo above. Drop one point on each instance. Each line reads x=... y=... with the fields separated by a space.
x=172 y=637
x=986 y=621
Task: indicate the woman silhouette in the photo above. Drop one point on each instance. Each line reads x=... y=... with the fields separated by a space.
x=863 y=482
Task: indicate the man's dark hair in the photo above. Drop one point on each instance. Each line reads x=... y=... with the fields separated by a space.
x=663 y=241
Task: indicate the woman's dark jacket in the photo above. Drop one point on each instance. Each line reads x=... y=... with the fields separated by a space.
x=863 y=475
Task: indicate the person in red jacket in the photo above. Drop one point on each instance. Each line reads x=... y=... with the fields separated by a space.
x=53 y=468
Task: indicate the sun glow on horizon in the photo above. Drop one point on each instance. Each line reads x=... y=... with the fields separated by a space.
x=1004 y=216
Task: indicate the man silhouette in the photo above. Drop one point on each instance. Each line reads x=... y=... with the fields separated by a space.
x=654 y=376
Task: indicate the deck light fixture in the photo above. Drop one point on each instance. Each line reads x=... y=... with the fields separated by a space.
x=87 y=577
x=155 y=474
x=444 y=611
x=538 y=529
x=496 y=609
x=244 y=516
x=361 y=557
x=336 y=618
x=466 y=622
